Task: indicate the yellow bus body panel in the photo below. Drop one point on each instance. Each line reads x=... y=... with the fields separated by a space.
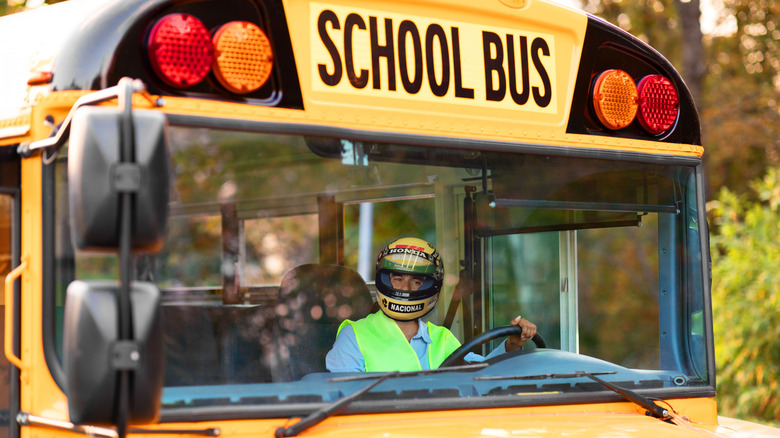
x=39 y=393
x=587 y=420
x=57 y=104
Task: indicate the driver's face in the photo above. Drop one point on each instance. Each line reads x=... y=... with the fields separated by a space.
x=406 y=281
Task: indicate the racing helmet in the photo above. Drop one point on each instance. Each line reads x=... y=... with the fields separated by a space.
x=413 y=256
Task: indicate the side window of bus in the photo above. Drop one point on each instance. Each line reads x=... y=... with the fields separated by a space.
x=525 y=274
x=542 y=271
x=220 y=274
x=6 y=215
x=236 y=247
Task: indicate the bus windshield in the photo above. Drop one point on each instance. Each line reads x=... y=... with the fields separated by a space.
x=273 y=238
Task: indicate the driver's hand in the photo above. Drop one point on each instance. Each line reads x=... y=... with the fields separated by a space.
x=514 y=343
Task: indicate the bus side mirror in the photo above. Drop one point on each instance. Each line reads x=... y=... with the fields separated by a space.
x=113 y=351
x=92 y=353
x=97 y=177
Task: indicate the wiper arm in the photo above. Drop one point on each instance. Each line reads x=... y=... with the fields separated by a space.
x=339 y=405
x=652 y=408
x=318 y=416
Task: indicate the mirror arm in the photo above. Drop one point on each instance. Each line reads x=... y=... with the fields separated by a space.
x=126 y=157
x=25 y=419
x=59 y=136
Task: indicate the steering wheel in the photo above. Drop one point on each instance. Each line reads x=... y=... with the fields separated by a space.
x=456 y=357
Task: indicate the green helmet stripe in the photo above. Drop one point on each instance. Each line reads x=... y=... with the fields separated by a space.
x=416 y=268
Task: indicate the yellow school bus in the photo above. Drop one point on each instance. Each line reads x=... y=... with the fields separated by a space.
x=193 y=195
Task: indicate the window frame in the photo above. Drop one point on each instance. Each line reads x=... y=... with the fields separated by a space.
x=49 y=219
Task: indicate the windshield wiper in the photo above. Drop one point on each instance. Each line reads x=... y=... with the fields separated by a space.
x=339 y=405
x=452 y=369
x=652 y=408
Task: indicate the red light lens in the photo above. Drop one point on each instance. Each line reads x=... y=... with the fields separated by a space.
x=180 y=50
x=658 y=104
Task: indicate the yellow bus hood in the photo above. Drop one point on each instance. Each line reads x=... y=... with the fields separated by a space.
x=502 y=423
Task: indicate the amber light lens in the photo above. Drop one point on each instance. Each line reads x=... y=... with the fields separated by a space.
x=243 y=57
x=180 y=50
x=658 y=104
x=615 y=99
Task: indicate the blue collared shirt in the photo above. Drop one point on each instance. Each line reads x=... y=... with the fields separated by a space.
x=345 y=356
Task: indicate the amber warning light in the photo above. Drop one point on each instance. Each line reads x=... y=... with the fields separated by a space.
x=182 y=52
x=618 y=101
x=243 y=57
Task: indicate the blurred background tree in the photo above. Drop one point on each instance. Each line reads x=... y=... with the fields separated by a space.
x=740 y=112
x=746 y=266
x=7 y=7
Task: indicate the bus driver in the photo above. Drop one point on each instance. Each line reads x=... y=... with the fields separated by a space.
x=409 y=276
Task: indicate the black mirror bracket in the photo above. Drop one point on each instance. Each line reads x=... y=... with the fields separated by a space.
x=125 y=356
x=126 y=165
x=126 y=178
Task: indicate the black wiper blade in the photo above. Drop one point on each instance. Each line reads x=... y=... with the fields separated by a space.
x=339 y=405
x=544 y=376
x=452 y=369
x=652 y=408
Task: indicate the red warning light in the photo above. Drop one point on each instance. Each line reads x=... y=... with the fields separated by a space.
x=658 y=104
x=180 y=50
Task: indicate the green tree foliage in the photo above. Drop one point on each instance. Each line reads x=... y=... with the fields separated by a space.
x=746 y=272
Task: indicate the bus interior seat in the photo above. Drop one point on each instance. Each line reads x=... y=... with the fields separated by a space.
x=313 y=301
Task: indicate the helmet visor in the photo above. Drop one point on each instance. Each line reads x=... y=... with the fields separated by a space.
x=426 y=290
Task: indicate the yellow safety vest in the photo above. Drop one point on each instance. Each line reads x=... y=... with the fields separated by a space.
x=385 y=348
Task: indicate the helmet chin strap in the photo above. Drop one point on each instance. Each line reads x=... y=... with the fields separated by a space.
x=404 y=320
x=399 y=310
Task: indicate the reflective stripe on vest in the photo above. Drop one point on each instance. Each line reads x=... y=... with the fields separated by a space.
x=385 y=348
